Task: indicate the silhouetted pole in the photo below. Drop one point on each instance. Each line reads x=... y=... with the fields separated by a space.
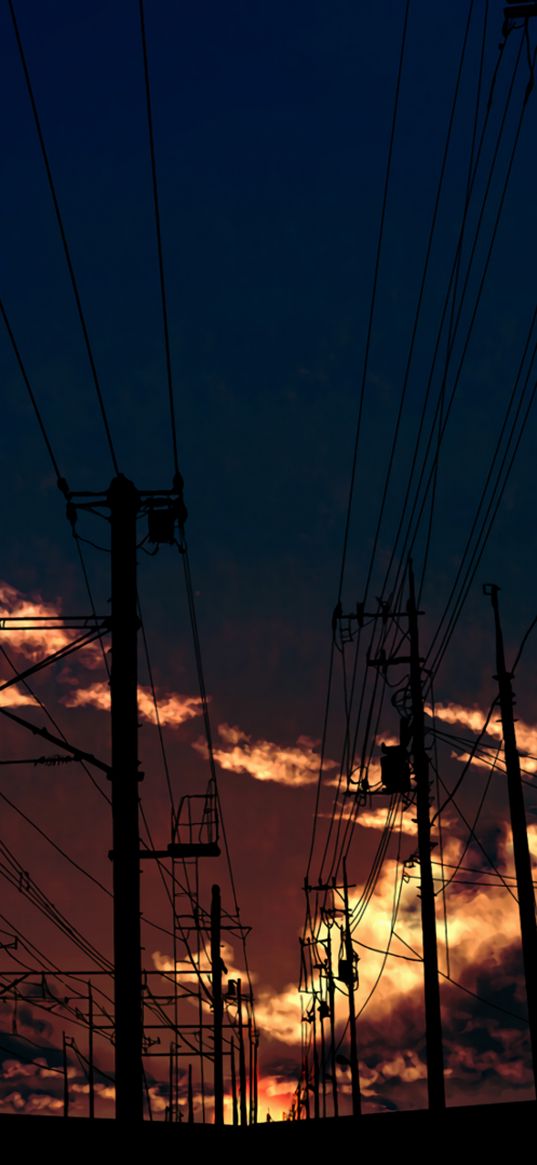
x=332 y=1005
x=91 y=1068
x=242 y=1059
x=308 y=1087
x=349 y=955
x=523 y=870
x=316 y=1111
x=250 y=1070
x=218 y=1007
x=170 y=1081
x=256 y=1045
x=433 y=1019
x=124 y=502
x=323 y=1057
x=235 y=1107
x=190 y=1096
x=65 y=1077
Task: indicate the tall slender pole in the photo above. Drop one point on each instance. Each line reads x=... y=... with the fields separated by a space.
x=433 y=1019
x=523 y=870
x=174 y=1082
x=235 y=1109
x=307 y=1085
x=256 y=1046
x=91 y=1064
x=349 y=955
x=124 y=503
x=250 y=1070
x=332 y=1005
x=242 y=1060
x=323 y=1059
x=170 y=1081
x=316 y=1110
x=65 y=1077
x=190 y=1096
x=218 y=1007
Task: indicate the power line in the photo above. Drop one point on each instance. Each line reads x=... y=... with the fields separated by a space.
x=156 y=208
x=63 y=236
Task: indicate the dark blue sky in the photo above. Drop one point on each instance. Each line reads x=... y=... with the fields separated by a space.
x=271 y=126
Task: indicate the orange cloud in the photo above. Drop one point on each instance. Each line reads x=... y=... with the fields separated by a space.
x=265 y=761
x=474 y=718
x=35 y=643
x=14 y=697
x=173 y=709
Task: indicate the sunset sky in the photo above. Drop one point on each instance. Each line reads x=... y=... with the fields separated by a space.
x=272 y=124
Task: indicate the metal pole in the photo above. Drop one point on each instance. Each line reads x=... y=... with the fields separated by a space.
x=91 y=1070
x=124 y=502
x=256 y=1046
x=190 y=1096
x=523 y=870
x=242 y=1060
x=433 y=1018
x=332 y=1004
x=323 y=1058
x=65 y=1078
x=233 y=1084
x=170 y=1080
x=349 y=955
x=218 y=1007
x=250 y=1071
x=316 y=1112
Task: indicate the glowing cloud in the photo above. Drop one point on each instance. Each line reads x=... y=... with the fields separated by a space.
x=266 y=761
x=14 y=697
x=474 y=718
x=173 y=710
x=35 y=643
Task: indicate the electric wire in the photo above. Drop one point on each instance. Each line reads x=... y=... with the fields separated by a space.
x=63 y=236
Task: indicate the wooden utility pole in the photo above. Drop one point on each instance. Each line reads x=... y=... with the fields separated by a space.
x=123 y=501
x=349 y=956
x=218 y=1006
x=433 y=1019
x=523 y=870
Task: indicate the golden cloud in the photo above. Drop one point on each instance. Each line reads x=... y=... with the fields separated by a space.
x=173 y=709
x=35 y=643
x=474 y=719
x=266 y=761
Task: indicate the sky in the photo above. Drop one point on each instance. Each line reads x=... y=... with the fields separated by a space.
x=272 y=125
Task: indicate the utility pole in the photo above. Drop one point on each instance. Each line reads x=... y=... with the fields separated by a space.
x=242 y=1060
x=218 y=1007
x=65 y=1077
x=235 y=1109
x=332 y=1005
x=349 y=955
x=433 y=1019
x=523 y=870
x=91 y=1062
x=316 y=1110
x=256 y=1045
x=123 y=501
